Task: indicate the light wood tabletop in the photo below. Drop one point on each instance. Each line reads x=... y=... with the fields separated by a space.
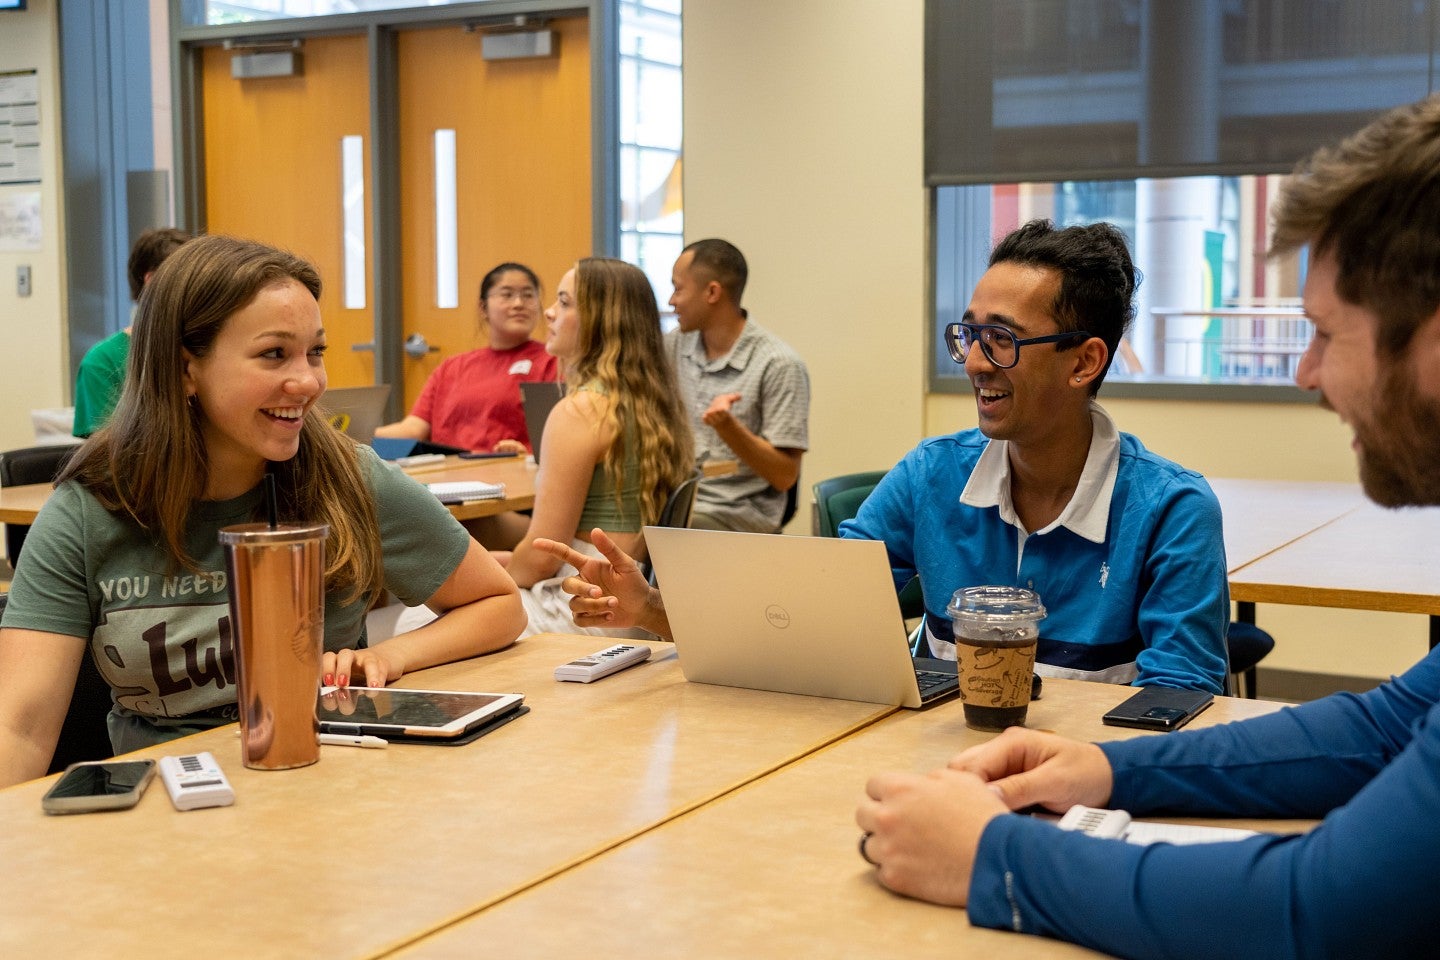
x=1370 y=559
x=772 y=870
x=370 y=849
x=22 y=504
x=1262 y=516
x=517 y=474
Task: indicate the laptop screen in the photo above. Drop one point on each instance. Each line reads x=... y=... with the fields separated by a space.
x=356 y=411
x=539 y=399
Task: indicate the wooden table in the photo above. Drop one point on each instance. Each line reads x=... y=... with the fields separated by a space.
x=516 y=473
x=22 y=504
x=1262 y=516
x=771 y=869
x=1369 y=558
x=370 y=849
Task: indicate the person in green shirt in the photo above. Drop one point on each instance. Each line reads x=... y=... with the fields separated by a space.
x=102 y=369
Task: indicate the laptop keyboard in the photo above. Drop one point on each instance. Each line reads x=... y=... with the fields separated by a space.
x=929 y=681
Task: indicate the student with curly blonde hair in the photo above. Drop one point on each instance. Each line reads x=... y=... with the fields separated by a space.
x=616 y=445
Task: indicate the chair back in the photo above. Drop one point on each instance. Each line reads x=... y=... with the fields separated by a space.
x=30 y=465
x=792 y=503
x=677 y=509
x=1246 y=645
x=675 y=513
x=837 y=500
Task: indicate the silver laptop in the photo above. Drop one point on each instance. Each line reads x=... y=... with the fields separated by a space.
x=356 y=411
x=810 y=615
x=538 y=398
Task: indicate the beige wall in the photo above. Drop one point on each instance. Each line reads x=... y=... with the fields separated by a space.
x=803 y=144
x=802 y=147
x=33 y=370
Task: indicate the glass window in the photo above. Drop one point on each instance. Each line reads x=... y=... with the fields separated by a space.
x=216 y=12
x=1094 y=89
x=1174 y=119
x=1210 y=308
x=652 y=214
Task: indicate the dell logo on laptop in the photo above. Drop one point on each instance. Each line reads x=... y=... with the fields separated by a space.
x=777 y=616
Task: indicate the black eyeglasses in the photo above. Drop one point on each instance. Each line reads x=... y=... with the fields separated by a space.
x=1000 y=345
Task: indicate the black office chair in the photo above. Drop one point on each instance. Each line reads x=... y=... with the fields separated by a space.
x=675 y=513
x=29 y=465
x=838 y=499
x=84 y=736
x=792 y=503
x=1247 y=645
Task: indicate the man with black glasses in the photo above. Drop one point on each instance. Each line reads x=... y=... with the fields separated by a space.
x=1363 y=882
x=1123 y=546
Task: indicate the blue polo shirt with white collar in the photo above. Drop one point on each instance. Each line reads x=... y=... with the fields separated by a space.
x=1132 y=573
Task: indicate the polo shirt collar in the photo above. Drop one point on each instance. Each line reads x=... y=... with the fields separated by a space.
x=737 y=357
x=1087 y=514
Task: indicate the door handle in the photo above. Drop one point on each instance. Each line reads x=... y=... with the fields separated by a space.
x=416 y=346
x=363 y=347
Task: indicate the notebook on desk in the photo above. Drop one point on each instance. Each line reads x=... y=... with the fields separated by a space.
x=356 y=411
x=810 y=615
x=538 y=399
x=463 y=491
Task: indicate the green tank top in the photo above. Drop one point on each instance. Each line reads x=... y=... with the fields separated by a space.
x=601 y=509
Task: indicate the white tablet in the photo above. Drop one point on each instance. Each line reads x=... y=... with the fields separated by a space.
x=393 y=712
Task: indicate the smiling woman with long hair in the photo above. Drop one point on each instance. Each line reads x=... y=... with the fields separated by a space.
x=223 y=377
x=614 y=448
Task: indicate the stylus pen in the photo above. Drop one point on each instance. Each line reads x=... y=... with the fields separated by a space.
x=354 y=740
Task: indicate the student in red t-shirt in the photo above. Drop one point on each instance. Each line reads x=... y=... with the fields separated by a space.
x=473 y=400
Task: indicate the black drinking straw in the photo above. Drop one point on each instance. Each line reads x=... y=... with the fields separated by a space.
x=271 y=510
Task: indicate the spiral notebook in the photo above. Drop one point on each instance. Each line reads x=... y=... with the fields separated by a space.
x=463 y=491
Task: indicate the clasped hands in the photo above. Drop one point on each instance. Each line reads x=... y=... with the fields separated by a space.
x=924 y=829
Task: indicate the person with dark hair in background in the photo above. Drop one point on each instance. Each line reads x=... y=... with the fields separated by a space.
x=1123 y=546
x=102 y=369
x=472 y=400
x=747 y=391
x=1363 y=882
x=124 y=565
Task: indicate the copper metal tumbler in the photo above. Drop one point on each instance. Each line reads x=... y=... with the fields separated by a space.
x=277 y=615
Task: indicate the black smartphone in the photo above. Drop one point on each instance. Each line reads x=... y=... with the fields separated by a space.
x=99 y=785
x=485 y=455
x=1159 y=708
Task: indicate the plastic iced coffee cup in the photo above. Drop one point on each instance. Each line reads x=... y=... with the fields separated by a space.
x=277 y=616
x=996 y=630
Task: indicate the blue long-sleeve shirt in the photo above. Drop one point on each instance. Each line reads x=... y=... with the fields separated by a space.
x=1143 y=582
x=1364 y=883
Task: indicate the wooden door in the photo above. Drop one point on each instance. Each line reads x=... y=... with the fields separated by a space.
x=523 y=185
x=273 y=173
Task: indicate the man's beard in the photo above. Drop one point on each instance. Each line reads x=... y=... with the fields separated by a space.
x=1400 y=458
